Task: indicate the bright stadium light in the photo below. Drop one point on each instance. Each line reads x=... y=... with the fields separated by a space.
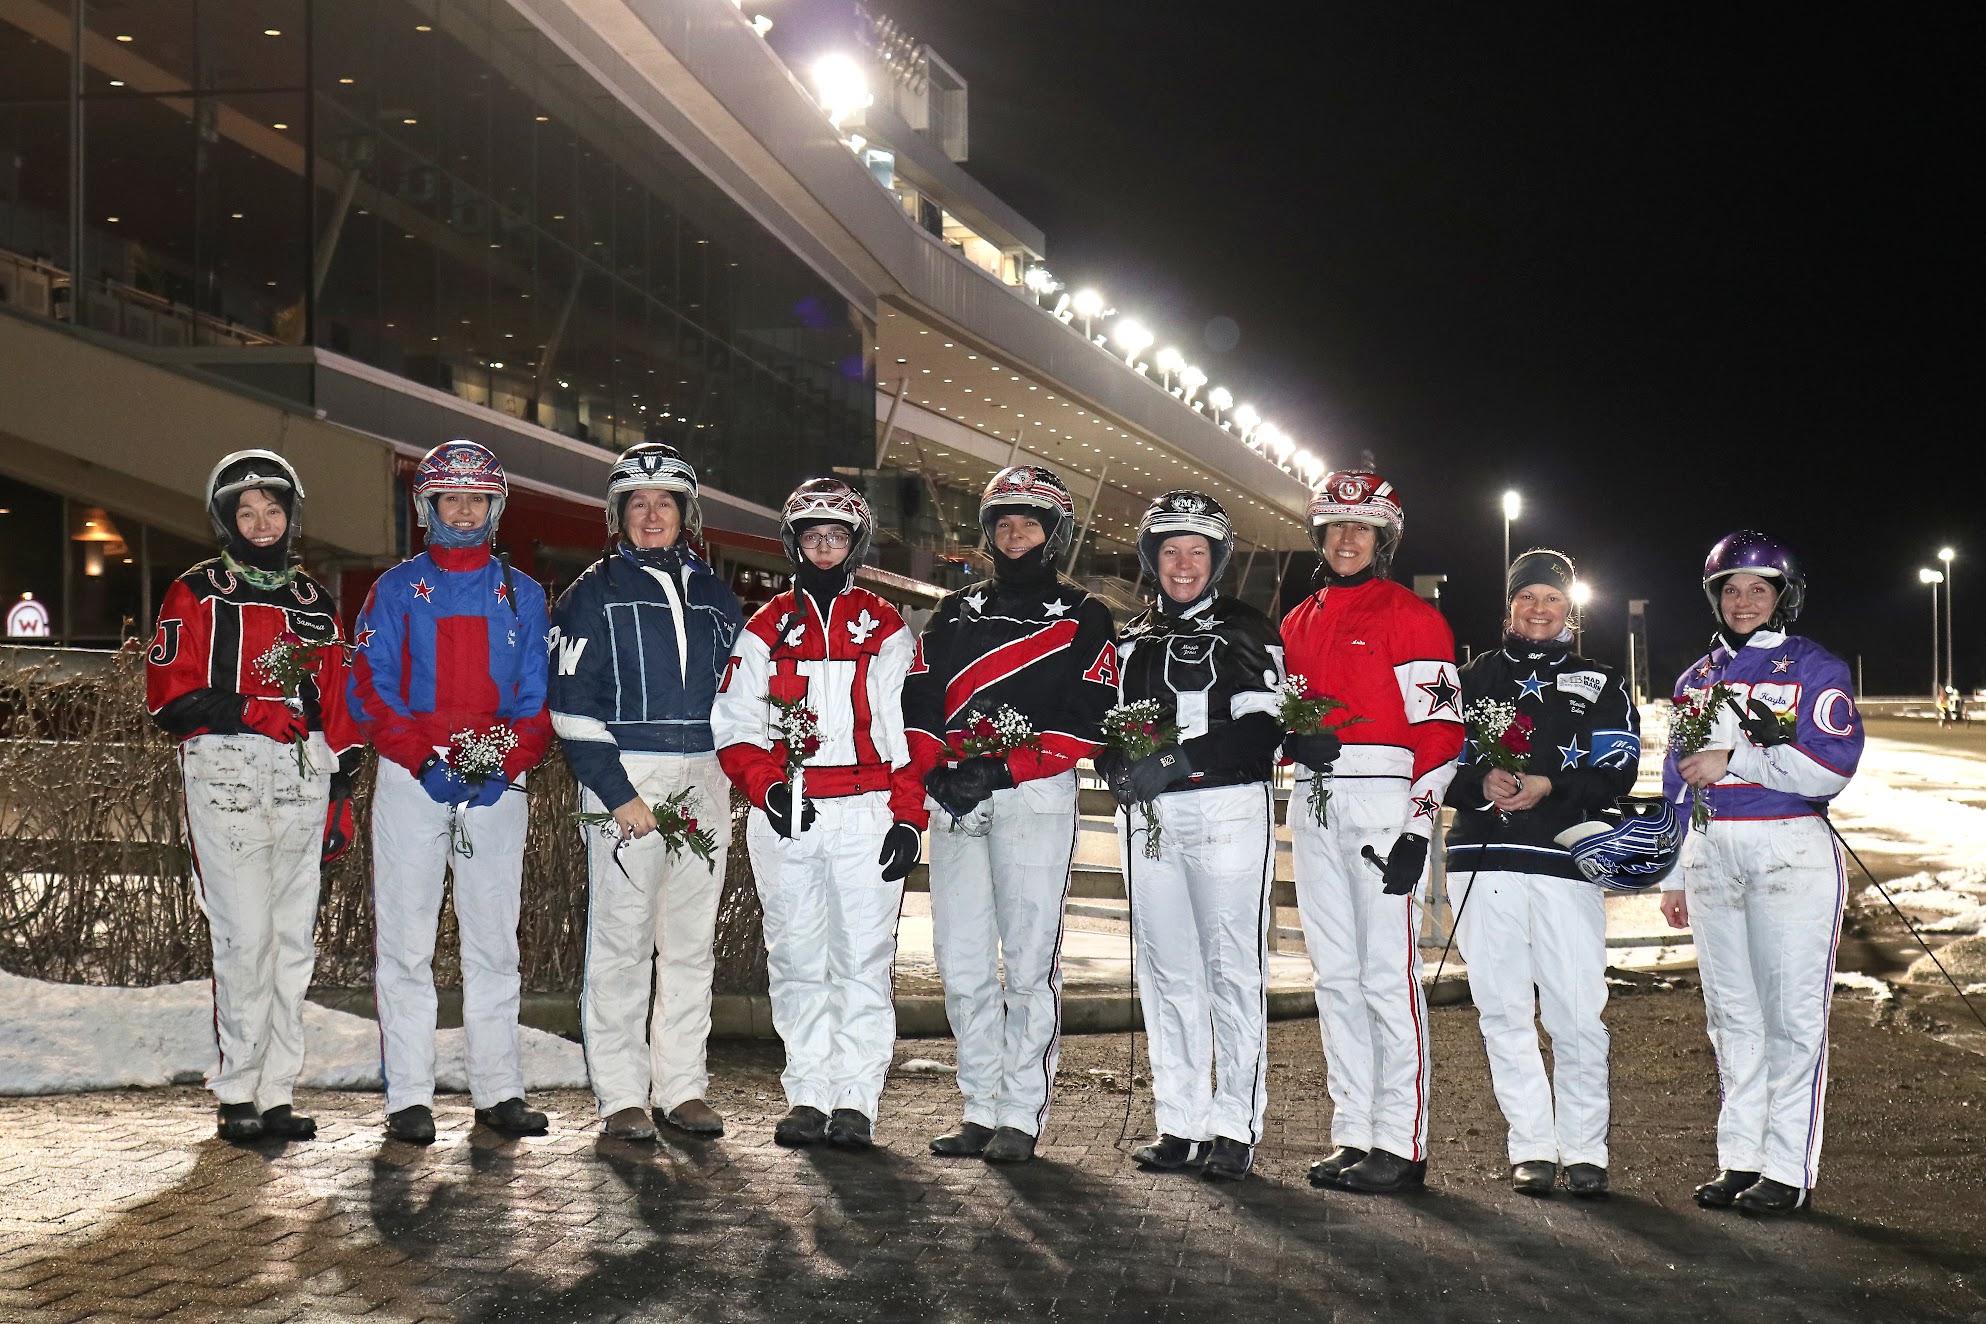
x=1247 y=419
x=1170 y=364
x=1132 y=338
x=1192 y=379
x=842 y=87
x=1088 y=305
x=1040 y=281
x=1220 y=400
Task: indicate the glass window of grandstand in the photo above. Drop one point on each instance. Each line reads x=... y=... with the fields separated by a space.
x=432 y=189
x=97 y=573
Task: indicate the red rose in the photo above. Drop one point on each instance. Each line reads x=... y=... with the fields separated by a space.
x=810 y=746
x=1517 y=736
x=689 y=825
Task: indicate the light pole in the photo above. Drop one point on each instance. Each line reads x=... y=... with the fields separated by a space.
x=1512 y=503
x=1582 y=593
x=1933 y=578
x=1947 y=555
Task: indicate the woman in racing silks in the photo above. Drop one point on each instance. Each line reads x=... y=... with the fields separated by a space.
x=451 y=660
x=809 y=726
x=639 y=642
x=1390 y=658
x=1033 y=642
x=248 y=671
x=1763 y=883
x=1531 y=927
x=1200 y=911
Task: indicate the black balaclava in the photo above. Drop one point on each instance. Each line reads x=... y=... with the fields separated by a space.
x=275 y=558
x=1031 y=568
x=823 y=586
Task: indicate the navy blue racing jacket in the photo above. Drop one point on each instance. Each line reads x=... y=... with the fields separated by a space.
x=637 y=652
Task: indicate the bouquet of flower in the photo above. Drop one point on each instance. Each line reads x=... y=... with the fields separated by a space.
x=1689 y=733
x=986 y=736
x=675 y=823
x=799 y=730
x=1501 y=735
x=287 y=664
x=1139 y=729
x=476 y=756
x=1303 y=713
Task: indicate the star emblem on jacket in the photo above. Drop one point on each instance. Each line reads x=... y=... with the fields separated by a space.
x=862 y=627
x=1532 y=687
x=502 y=591
x=424 y=590
x=363 y=639
x=1568 y=755
x=976 y=601
x=1056 y=608
x=1703 y=672
x=1441 y=694
x=1425 y=805
x=1781 y=665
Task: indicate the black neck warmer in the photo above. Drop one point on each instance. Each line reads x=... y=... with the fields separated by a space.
x=666 y=559
x=823 y=586
x=1171 y=608
x=1028 y=570
x=274 y=558
x=1732 y=640
x=1552 y=650
x=1326 y=577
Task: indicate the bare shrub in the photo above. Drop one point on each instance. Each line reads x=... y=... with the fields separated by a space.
x=96 y=881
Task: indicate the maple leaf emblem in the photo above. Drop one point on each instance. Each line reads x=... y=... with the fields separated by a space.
x=862 y=627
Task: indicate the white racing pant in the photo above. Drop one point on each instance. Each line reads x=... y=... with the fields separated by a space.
x=830 y=939
x=1536 y=948
x=1200 y=914
x=996 y=901
x=1364 y=949
x=1765 y=900
x=257 y=829
x=661 y=913
x=411 y=852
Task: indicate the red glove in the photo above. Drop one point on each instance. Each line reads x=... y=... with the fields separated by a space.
x=274 y=719
x=338 y=824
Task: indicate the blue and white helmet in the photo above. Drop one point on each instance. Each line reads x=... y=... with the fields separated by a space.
x=650 y=464
x=1628 y=848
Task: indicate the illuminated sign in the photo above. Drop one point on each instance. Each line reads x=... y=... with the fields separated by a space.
x=27 y=619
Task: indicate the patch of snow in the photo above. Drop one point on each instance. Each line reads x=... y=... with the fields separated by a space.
x=61 y=1038
x=1878 y=989
x=926 y=1066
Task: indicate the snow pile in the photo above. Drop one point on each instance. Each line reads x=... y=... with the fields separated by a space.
x=59 y=1038
x=1958 y=896
x=1879 y=990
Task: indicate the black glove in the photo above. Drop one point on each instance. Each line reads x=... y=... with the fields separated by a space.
x=338 y=825
x=1114 y=766
x=779 y=810
x=1404 y=864
x=1763 y=727
x=901 y=847
x=960 y=790
x=1315 y=752
x=1158 y=770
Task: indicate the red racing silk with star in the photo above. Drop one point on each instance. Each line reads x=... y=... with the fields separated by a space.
x=848 y=666
x=1391 y=658
x=450 y=641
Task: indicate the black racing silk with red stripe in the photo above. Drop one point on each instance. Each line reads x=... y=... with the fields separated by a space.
x=1044 y=648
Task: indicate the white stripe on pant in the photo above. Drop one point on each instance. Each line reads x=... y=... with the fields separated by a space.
x=1364 y=950
x=1200 y=914
x=257 y=829
x=411 y=852
x=1765 y=900
x=1536 y=948
x=830 y=939
x=660 y=912
x=996 y=900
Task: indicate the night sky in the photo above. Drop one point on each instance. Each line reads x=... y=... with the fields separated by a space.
x=1665 y=274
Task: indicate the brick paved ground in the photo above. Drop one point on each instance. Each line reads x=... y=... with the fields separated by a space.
x=122 y=1206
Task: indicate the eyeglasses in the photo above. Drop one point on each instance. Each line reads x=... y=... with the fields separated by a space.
x=814 y=542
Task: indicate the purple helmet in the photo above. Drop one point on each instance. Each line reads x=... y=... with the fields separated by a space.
x=1749 y=552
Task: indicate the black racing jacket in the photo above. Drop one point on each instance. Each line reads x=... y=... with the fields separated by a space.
x=1214 y=670
x=1587 y=740
x=1042 y=646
